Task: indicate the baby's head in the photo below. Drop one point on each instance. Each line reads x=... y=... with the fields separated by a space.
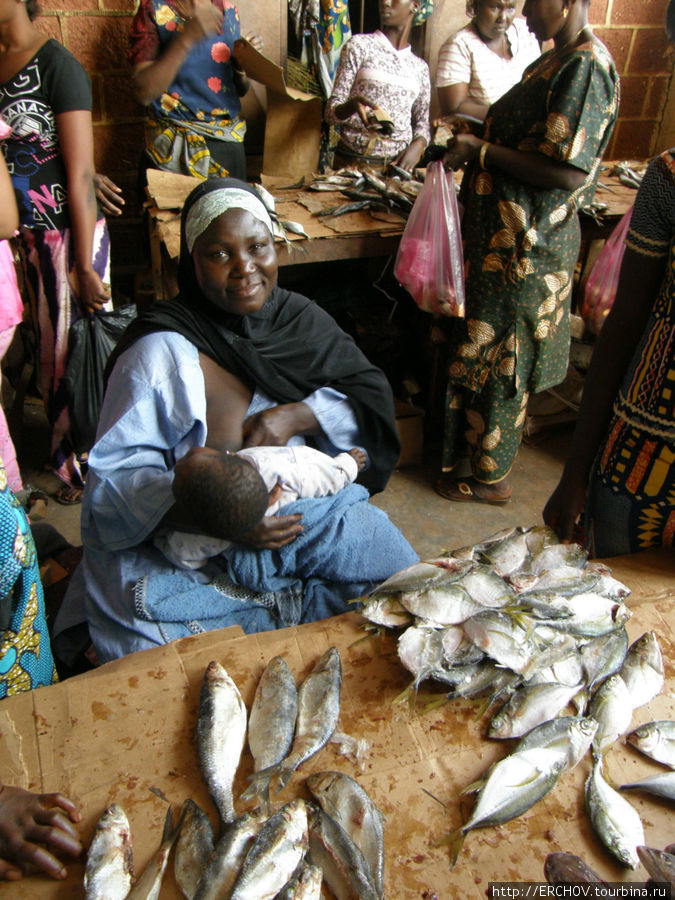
x=225 y=494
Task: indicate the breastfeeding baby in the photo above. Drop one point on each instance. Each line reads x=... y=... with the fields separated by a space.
x=228 y=490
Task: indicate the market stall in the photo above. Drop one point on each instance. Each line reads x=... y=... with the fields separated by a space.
x=125 y=732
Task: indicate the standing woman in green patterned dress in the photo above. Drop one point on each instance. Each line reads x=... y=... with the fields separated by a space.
x=535 y=165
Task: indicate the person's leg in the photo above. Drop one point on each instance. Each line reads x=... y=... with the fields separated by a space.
x=493 y=426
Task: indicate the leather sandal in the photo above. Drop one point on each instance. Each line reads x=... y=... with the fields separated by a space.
x=463 y=490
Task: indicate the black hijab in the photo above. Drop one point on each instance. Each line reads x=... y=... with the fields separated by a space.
x=289 y=348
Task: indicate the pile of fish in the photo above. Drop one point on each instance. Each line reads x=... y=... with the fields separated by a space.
x=567 y=868
x=335 y=839
x=365 y=189
x=529 y=623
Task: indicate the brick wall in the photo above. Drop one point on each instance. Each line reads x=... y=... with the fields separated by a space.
x=633 y=32
x=95 y=32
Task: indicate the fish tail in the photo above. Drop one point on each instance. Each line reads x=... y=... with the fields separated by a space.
x=283 y=777
x=434 y=704
x=259 y=787
x=454 y=842
x=473 y=787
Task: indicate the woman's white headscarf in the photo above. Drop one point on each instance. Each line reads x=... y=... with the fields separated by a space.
x=215 y=203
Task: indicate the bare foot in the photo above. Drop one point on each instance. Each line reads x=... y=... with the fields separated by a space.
x=359 y=456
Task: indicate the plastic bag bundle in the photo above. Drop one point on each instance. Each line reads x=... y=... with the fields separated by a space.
x=599 y=286
x=429 y=263
x=91 y=340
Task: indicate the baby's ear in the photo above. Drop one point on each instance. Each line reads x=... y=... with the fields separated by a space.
x=274 y=494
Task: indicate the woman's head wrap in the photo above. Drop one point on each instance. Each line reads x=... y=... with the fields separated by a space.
x=227 y=193
x=424 y=10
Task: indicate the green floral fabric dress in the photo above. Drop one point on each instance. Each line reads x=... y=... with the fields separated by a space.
x=521 y=244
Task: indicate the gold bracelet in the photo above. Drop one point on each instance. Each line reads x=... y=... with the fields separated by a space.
x=481 y=156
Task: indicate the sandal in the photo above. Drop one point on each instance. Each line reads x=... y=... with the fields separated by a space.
x=67 y=495
x=464 y=491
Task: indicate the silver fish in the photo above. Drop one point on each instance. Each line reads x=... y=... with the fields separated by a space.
x=304 y=885
x=554 y=555
x=659 y=863
x=149 y=883
x=221 y=731
x=528 y=707
x=420 y=649
x=508 y=555
x=443 y=605
x=514 y=785
x=349 y=805
x=422 y=575
x=193 y=848
x=271 y=723
x=613 y=819
x=642 y=669
x=458 y=649
x=318 y=710
x=591 y=615
x=486 y=587
x=345 y=869
x=563 y=581
x=656 y=740
x=293 y=227
x=484 y=678
x=611 y=708
x=275 y=854
x=661 y=785
x=387 y=611
x=503 y=639
x=603 y=656
x=223 y=867
x=566 y=671
x=110 y=869
x=571 y=735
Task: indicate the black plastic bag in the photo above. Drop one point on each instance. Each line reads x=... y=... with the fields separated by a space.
x=91 y=340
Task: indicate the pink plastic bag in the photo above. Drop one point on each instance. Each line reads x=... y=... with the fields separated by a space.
x=599 y=286
x=429 y=263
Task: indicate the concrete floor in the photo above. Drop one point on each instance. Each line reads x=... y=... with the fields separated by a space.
x=429 y=522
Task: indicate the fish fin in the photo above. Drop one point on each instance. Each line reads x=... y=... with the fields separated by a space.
x=473 y=787
x=404 y=695
x=371 y=632
x=259 y=787
x=434 y=704
x=454 y=842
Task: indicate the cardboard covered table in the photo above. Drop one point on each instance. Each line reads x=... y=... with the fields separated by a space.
x=125 y=732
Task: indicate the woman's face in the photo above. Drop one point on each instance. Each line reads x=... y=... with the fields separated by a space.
x=235 y=262
x=395 y=13
x=544 y=17
x=493 y=17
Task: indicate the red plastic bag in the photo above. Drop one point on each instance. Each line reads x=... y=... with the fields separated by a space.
x=429 y=263
x=599 y=286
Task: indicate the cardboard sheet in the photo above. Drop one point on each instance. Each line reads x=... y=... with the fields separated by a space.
x=126 y=730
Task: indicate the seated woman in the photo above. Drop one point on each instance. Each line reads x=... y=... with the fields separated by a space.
x=181 y=53
x=380 y=71
x=485 y=59
x=173 y=386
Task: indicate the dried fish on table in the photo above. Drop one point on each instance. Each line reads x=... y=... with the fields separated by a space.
x=603 y=656
x=566 y=868
x=223 y=867
x=109 y=870
x=656 y=740
x=149 y=883
x=221 y=731
x=661 y=785
x=421 y=575
x=613 y=819
x=588 y=615
x=659 y=863
x=271 y=723
x=344 y=866
x=349 y=805
x=420 y=649
x=642 y=669
x=193 y=848
x=318 y=710
x=304 y=885
x=571 y=735
x=387 y=611
x=275 y=854
x=343 y=209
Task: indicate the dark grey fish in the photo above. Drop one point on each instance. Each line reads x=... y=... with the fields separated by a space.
x=305 y=884
x=345 y=869
x=566 y=868
x=659 y=863
x=223 y=867
x=344 y=208
x=193 y=848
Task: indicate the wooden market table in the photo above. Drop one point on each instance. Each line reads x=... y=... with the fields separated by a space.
x=125 y=732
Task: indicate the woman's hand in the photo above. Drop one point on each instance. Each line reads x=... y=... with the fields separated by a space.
x=462 y=149
x=274 y=427
x=109 y=195
x=357 y=104
x=563 y=509
x=92 y=293
x=205 y=20
x=409 y=157
x=273 y=532
x=33 y=825
x=254 y=39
